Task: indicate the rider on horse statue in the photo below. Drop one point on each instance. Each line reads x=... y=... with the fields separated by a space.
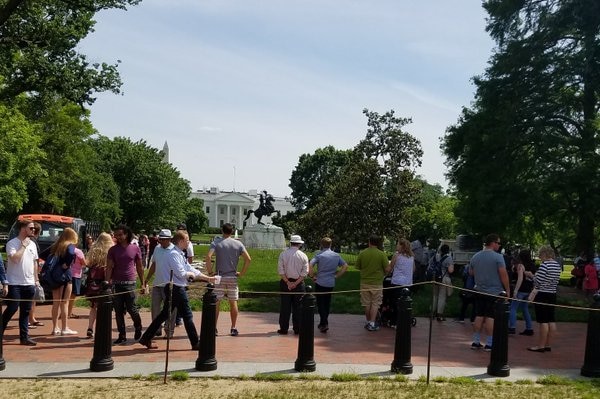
x=265 y=207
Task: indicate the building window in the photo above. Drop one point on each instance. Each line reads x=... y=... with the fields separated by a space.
x=222 y=212
x=208 y=209
x=233 y=211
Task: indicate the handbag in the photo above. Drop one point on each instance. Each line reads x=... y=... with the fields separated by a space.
x=38 y=294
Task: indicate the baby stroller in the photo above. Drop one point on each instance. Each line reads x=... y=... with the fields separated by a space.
x=387 y=314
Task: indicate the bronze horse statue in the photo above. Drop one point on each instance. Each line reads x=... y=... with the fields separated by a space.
x=265 y=208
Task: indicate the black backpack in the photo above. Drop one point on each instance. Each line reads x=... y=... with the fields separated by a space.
x=434 y=269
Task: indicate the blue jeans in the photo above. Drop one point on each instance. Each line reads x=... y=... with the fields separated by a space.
x=524 y=307
x=17 y=292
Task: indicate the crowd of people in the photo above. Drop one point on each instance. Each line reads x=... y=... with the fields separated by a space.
x=123 y=259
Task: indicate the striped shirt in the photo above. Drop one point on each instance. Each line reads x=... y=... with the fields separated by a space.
x=547 y=276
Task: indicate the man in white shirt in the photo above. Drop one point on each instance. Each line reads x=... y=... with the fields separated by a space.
x=21 y=273
x=292 y=268
x=159 y=268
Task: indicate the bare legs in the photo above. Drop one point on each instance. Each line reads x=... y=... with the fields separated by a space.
x=60 y=298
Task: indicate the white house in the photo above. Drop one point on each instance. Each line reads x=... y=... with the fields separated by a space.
x=232 y=207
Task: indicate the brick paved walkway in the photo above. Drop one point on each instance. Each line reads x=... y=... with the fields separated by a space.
x=347 y=342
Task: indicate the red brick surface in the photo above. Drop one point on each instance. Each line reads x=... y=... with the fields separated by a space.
x=346 y=342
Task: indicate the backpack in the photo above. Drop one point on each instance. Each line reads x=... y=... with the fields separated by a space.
x=53 y=273
x=434 y=269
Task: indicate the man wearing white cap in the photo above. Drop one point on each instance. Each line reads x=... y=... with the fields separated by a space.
x=160 y=268
x=292 y=268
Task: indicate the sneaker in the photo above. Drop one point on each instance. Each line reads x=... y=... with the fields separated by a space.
x=56 y=331
x=512 y=331
x=324 y=328
x=487 y=348
x=120 y=340
x=234 y=332
x=90 y=333
x=526 y=332
x=372 y=327
x=68 y=331
x=137 y=335
x=476 y=345
x=282 y=331
x=158 y=333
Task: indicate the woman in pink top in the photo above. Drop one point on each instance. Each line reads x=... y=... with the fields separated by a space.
x=76 y=271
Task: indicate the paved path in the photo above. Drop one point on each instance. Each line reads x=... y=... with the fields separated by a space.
x=347 y=347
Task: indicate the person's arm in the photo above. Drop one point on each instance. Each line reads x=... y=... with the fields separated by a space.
x=3 y=279
x=15 y=254
x=109 y=267
x=391 y=264
x=247 y=260
x=520 y=270
x=312 y=271
x=342 y=270
x=208 y=261
x=151 y=271
x=450 y=266
x=504 y=279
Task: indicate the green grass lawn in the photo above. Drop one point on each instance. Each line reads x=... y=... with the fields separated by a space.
x=258 y=290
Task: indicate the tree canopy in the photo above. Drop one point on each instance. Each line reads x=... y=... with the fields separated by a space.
x=524 y=159
x=365 y=191
x=39 y=55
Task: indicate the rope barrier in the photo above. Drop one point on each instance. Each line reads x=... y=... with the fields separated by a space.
x=354 y=291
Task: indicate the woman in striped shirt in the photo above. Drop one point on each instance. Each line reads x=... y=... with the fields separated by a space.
x=545 y=282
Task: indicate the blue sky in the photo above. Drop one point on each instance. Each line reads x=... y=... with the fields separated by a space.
x=241 y=88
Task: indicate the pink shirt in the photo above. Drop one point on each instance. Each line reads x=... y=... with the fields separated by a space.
x=590 y=282
x=77 y=265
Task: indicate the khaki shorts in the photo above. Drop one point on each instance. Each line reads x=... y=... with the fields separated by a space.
x=371 y=295
x=228 y=288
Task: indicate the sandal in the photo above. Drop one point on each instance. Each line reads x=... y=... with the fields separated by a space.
x=37 y=323
x=73 y=316
x=536 y=349
x=90 y=333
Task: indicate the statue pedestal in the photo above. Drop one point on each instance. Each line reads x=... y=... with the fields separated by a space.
x=263 y=236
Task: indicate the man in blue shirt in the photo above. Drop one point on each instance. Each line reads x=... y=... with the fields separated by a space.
x=325 y=267
x=182 y=271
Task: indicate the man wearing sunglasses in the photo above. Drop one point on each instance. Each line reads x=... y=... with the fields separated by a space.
x=21 y=273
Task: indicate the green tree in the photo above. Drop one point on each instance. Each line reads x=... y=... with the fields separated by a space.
x=373 y=192
x=195 y=219
x=20 y=159
x=525 y=157
x=432 y=213
x=73 y=182
x=151 y=192
x=39 y=55
x=314 y=173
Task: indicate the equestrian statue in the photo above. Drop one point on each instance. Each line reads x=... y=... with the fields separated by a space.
x=265 y=207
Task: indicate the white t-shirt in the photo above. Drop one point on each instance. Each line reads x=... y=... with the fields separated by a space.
x=21 y=272
x=162 y=272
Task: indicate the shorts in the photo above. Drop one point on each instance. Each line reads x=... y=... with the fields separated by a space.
x=76 y=290
x=227 y=288
x=371 y=295
x=485 y=305
x=545 y=313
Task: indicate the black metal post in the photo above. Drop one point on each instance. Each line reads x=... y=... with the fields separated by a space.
x=306 y=339
x=402 y=347
x=498 y=366
x=102 y=360
x=2 y=362
x=591 y=362
x=206 y=360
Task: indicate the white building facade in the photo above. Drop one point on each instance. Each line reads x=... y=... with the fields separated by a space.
x=232 y=207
